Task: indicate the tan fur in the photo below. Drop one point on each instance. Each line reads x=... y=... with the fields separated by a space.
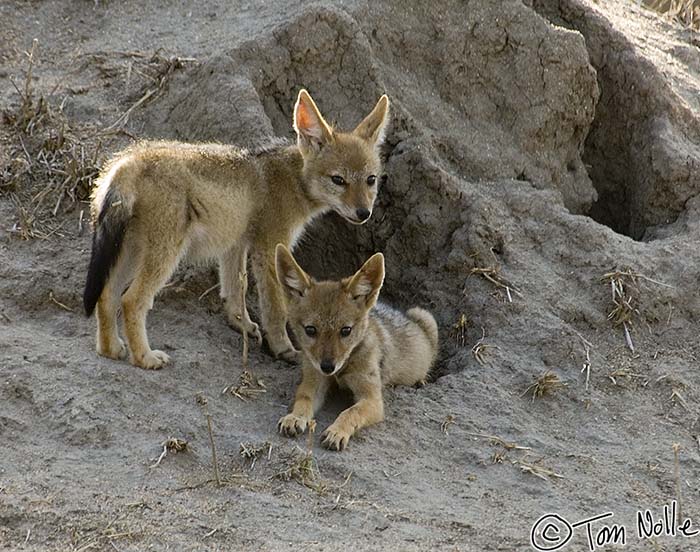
x=383 y=347
x=212 y=201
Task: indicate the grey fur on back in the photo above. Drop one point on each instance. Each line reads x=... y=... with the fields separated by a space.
x=408 y=343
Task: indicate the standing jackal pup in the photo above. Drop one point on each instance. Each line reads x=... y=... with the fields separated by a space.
x=347 y=338
x=158 y=202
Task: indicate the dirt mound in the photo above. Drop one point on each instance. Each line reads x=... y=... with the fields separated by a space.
x=541 y=201
x=643 y=146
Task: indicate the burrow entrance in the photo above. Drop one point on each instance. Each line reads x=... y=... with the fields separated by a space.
x=643 y=149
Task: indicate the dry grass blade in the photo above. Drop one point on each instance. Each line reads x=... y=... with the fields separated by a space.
x=102 y=537
x=624 y=373
x=209 y=290
x=587 y=346
x=249 y=387
x=252 y=451
x=624 y=289
x=243 y=280
x=480 y=349
x=446 y=423
x=498 y=441
x=498 y=457
x=30 y=111
x=459 y=330
x=537 y=470
x=624 y=286
x=686 y=12
x=302 y=466
x=677 y=471
x=51 y=165
x=677 y=397
x=493 y=275
x=202 y=401
x=173 y=444
x=157 y=71
x=57 y=302
x=546 y=384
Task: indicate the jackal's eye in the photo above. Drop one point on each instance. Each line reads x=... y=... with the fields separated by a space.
x=371 y=180
x=310 y=330
x=338 y=180
x=345 y=331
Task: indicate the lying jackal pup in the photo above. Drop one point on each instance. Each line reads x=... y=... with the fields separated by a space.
x=158 y=202
x=346 y=339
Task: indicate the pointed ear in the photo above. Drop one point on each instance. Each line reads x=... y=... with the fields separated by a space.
x=312 y=130
x=373 y=128
x=294 y=281
x=366 y=283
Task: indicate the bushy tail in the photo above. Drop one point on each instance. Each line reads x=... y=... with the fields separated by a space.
x=106 y=244
x=427 y=323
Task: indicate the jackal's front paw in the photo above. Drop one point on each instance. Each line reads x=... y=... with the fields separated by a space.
x=283 y=349
x=292 y=425
x=152 y=360
x=335 y=438
x=116 y=350
x=292 y=356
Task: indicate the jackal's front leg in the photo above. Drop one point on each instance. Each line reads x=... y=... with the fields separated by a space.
x=273 y=307
x=231 y=265
x=308 y=399
x=369 y=409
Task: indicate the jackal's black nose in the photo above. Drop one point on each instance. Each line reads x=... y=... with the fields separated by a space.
x=362 y=213
x=327 y=366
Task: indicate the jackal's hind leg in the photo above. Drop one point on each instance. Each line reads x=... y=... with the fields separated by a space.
x=109 y=344
x=153 y=272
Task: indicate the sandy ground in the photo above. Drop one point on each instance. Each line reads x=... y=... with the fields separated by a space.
x=555 y=140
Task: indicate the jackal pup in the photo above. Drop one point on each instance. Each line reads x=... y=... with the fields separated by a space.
x=349 y=339
x=158 y=202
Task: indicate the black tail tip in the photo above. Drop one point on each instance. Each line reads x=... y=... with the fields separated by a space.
x=89 y=306
x=93 y=290
x=106 y=244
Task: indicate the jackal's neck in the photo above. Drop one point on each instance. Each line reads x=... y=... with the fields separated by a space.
x=284 y=171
